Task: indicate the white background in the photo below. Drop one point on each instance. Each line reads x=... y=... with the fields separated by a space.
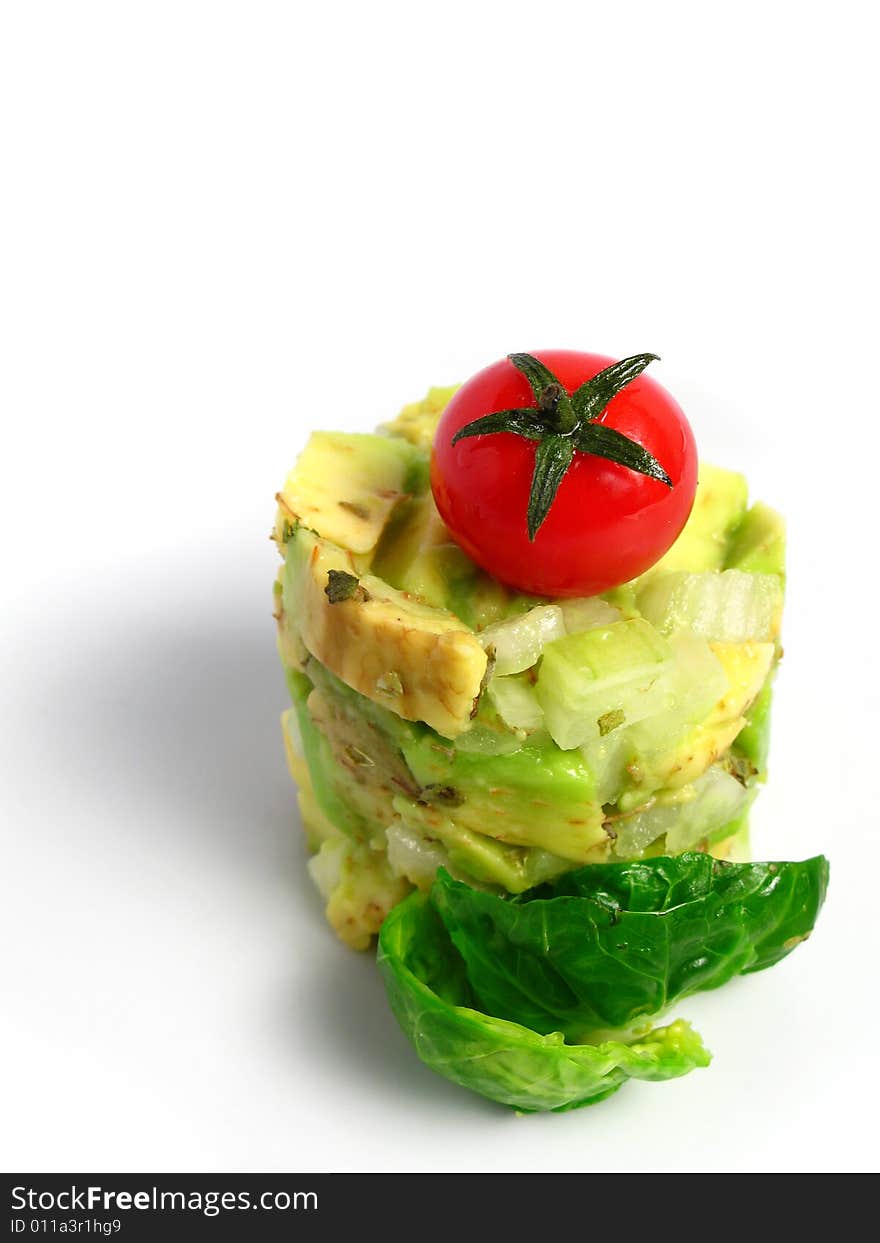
x=224 y=224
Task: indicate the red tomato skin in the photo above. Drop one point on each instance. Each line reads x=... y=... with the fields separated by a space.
x=607 y=525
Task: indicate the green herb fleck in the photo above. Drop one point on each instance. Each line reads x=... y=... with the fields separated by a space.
x=610 y=720
x=343 y=586
x=443 y=796
x=740 y=767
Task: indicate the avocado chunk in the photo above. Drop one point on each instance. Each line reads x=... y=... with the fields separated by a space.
x=652 y=767
x=358 y=887
x=753 y=742
x=420 y=662
x=419 y=814
x=418 y=421
x=369 y=769
x=718 y=510
x=475 y=856
x=303 y=739
x=418 y=555
x=346 y=484
x=537 y=796
x=758 y=543
x=414 y=527
x=318 y=827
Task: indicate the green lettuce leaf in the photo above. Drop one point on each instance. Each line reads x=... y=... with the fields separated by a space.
x=611 y=944
x=430 y=996
x=545 y=1000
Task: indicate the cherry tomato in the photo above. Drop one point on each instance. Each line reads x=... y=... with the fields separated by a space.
x=607 y=524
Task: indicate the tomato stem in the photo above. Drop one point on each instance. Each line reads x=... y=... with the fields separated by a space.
x=566 y=419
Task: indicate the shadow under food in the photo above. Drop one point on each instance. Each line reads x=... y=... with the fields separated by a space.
x=178 y=714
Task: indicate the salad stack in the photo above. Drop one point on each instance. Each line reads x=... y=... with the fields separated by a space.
x=538 y=800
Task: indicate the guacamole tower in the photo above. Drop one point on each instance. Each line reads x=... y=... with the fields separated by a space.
x=443 y=720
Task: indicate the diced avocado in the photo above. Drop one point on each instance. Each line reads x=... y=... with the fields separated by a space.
x=369 y=769
x=681 y=698
x=290 y=646
x=418 y=555
x=445 y=575
x=471 y=788
x=434 y=788
x=359 y=887
x=318 y=828
x=482 y=858
x=753 y=741
x=418 y=421
x=758 y=543
x=415 y=527
x=538 y=796
x=718 y=510
x=319 y=759
x=418 y=661
x=732 y=842
x=346 y=484
x=392 y=726
x=489 y=862
x=746 y=666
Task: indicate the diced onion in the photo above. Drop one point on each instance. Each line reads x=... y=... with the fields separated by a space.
x=325 y=868
x=412 y=856
x=518 y=642
x=712 y=801
x=515 y=702
x=729 y=606
x=587 y=613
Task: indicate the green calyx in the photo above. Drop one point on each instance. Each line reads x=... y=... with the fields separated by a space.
x=561 y=423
